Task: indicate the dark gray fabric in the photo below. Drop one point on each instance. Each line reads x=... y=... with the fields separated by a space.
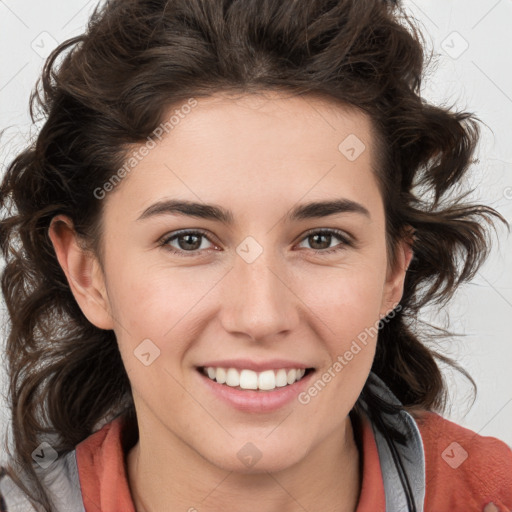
x=411 y=454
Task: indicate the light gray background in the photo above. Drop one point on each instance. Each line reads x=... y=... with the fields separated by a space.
x=471 y=40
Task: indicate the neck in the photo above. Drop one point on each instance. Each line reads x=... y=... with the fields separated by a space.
x=172 y=476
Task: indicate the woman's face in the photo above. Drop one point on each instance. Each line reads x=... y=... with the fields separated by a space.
x=270 y=285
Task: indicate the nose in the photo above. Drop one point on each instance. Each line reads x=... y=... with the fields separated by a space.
x=259 y=299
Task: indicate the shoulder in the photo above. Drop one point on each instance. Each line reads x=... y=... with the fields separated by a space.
x=62 y=479
x=461 y=464
x=59 y=480
x=12 y=498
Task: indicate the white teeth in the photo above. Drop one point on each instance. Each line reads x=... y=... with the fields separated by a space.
x=249 y=379
x=281 y=378
x=292 y=375
x=220 y=375
x=232 y=378
x=267 y=380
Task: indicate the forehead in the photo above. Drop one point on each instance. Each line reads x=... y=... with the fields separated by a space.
x=270 y=119
x=256 y=145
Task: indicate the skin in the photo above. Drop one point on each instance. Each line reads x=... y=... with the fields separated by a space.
x=258 y=156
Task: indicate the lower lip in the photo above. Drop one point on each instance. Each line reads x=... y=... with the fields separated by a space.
x=257 y=401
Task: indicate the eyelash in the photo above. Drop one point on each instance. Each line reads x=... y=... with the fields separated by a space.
x=345 y=241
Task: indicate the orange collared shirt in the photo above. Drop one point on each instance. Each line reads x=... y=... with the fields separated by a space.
x=464 y=471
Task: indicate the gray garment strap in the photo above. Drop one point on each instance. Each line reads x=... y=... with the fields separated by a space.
x=64 y=484
x=411 y=454
x=60 y=479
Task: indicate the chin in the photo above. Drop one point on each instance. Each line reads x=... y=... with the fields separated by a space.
x=258 y=457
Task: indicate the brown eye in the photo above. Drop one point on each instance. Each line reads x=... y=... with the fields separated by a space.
x=189 y=241
x=320 y=241
x=185 y=242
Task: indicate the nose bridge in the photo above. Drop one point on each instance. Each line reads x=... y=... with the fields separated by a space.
x=259 y=301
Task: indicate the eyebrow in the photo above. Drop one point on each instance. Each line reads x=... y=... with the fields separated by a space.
x=312 y=210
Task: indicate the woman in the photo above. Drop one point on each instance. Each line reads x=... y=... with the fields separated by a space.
x=216 y=252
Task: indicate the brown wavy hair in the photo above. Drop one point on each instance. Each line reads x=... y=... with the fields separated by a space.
x=111 y=87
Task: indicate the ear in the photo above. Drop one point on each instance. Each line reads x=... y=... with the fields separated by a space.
x=394 y=286
x=82 y=271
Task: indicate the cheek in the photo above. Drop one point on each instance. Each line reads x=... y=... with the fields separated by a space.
x=155 y=298
x=155 y=313
x=347 y=321
x=162 y=305
x=347 y=301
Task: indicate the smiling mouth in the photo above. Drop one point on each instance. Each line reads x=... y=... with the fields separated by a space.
x=267 y=380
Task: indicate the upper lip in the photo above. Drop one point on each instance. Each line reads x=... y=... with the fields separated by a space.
x=257 y=366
